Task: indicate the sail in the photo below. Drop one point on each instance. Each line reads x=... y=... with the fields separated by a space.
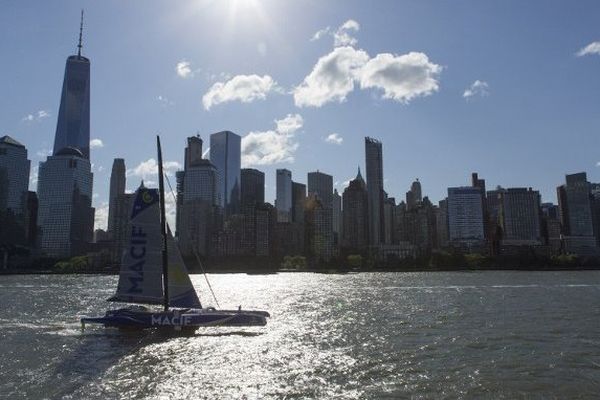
x=181 y=290
x=140 y=280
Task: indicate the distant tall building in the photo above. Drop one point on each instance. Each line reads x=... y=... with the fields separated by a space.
x=414 y=197
x=319 y=235
x=117 y=188
x=65 y=215
x=321 y=185
x=73 y=125
x=298 y=200
x=198 y=187
x=252 y=187
x=283 y=200
x=442 y=224
x=337 y=215
x=465 y=216
x=225 y=155
x=389 y=217
x=574 y=201
x=374 y=163
x=355 y=215
x=14 y=176
x=520 y=211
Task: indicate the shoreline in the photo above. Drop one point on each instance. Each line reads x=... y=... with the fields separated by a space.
x=332 y=271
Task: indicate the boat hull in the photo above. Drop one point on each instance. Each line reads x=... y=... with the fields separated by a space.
x=178 y=319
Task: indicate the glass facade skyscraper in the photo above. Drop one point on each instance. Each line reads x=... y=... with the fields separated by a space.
x=14 y=175
x=225 y=155
x=374 y=164
x=73 y=125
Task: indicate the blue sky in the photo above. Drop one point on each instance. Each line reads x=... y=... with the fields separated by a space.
x=509 y=89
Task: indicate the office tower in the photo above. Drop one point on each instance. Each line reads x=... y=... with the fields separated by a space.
x=465 y=216
x=73 y=125
x=117 y=188
x=31 y=219
x=442 y=224
x=374 y=163
x=355 y=215
x=14 y=176
x=298 y=200
x=414 y=196
x=389 y=217
x=252 y=187
x=520 y=216
x=337 y=217
x=283 y=200
x=551 y=226
x=574 y=201
x=197 y=189
x=225 y=155
x=65 y=215
x=319 y=235
x=321 y=186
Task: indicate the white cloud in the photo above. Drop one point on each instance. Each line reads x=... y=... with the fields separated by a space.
x=37 y=116
x=96 y=143
x=334 y=138
x=341 y=36
x=592 y=48
x=184 y=69
x=598 y=164
x=272 y=146
x=477 y=88
x=100 y=168
x=43 y=153
x=332 y=78
x=33 y=178
x=149 y=168
x=245 y=88
x=401 y=78
x=101 y=216
x=165 y=102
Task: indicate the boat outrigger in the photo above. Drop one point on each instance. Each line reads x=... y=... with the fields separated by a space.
x=153 y=273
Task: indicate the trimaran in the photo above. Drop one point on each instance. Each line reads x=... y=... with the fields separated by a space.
x=153 y=272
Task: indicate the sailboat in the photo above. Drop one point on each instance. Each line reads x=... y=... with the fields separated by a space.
x=153 y=273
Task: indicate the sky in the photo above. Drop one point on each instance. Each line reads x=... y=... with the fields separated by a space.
x=508 y=89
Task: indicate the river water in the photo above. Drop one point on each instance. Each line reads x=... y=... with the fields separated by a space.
x=472 y=335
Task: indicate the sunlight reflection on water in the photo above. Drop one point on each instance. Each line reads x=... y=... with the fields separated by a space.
x=368 y=335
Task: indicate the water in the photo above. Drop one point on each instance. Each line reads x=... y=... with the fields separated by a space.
x=506 y=335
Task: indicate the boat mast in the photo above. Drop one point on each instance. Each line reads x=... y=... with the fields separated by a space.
x=163 y=223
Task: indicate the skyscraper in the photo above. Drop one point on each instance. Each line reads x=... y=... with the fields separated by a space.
x=65 y=215
x=225 y=155
x=337 y=217
x=355 y=215
x=252 y=187
x=117 y=188
x=14 y=175
x=283 y=201
x=574 y=201
x=374 y=163
x=520 y=211
x=298 y=200
x=73 y=125
x=465 y=216
x=321 y=186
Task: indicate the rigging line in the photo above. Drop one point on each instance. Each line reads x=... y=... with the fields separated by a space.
x=194 y=250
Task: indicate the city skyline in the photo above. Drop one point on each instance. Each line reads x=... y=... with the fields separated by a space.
x=547 y=139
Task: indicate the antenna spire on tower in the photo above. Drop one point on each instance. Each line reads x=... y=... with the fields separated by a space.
x=79 y=46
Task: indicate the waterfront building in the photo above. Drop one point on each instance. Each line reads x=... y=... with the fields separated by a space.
x=252 y=187
x=321 y=186
x=65 y=215
x=298 y=200
x=374 y=165
x=465 y=217
x=319 y=235
x=225 y=155
x=14 y=176
x=197 y=199
x=117 y=188
x=73 y=124
x=355 y=215
x=441 y=221
x=283 y=200
x=520 y=217
x=574 y=201
x=337 y=218
x=389 y=218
